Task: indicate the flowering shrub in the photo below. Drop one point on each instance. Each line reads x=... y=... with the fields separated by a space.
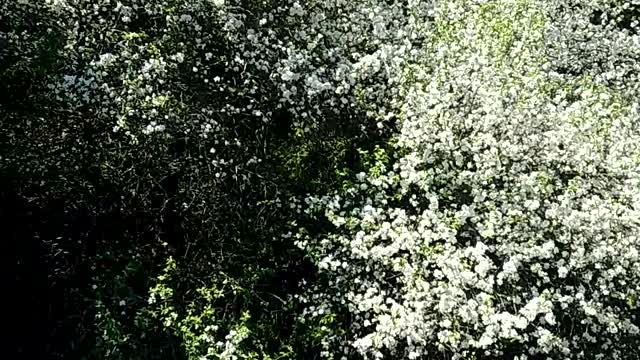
x=505 y=221
x=464 y=175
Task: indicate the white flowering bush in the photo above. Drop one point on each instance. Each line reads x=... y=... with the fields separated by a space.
x=463 y=175
x=504 y=221
x=151 y=128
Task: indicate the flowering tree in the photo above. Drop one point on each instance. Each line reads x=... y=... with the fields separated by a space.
x=504 y=221
x=461 y=177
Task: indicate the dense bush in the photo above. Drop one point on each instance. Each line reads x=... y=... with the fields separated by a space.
x=509 y=224
x=238 y=179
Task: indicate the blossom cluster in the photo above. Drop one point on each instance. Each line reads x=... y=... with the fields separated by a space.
x=506 y=224
x=138 y=66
